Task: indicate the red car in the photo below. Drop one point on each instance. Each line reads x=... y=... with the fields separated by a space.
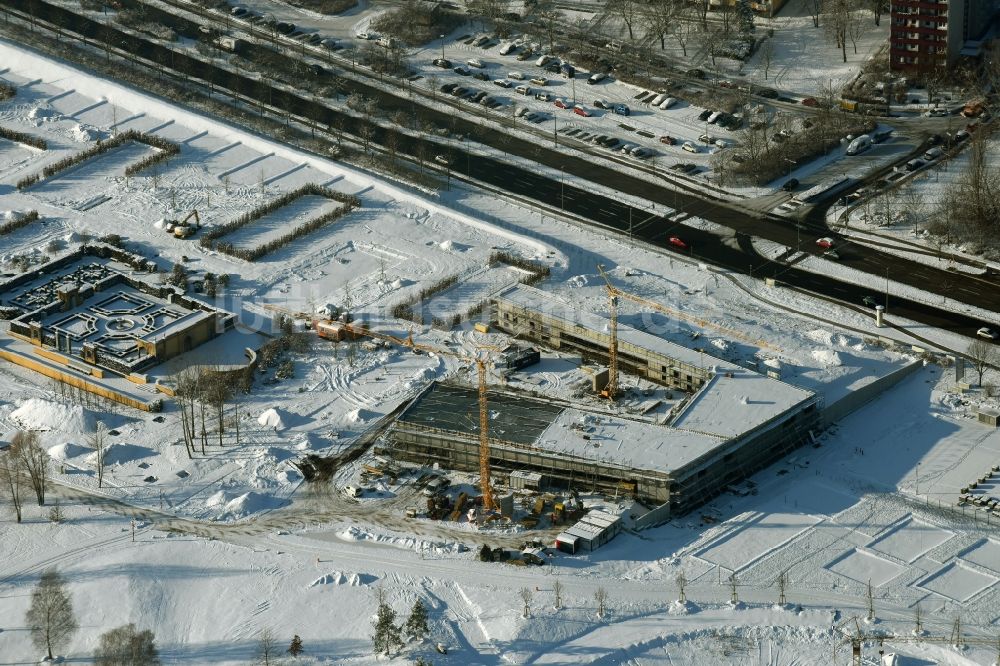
x=580 y=111
x=669 y=140
x=826 y=242
x=561 y=104
x=677 y=242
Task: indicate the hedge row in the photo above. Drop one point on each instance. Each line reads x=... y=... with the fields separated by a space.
x=315 y=224
x=100 y=148
x=166 y=152
x=537 y=272
x=21 y=137
x=209 y=237
x=7 y=91
x=18 y=222
x=404 y=310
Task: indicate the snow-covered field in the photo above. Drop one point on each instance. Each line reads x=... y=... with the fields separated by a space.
x=239 y=543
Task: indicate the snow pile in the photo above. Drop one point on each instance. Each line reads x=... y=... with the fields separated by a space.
x=354 y=533
x=43 y=114
x=827 y=357
x=270 y=418
x=234 y=507
x=269 y=469
x=308 y=442
x=340 y=578
x=83 y=134
x=360 y=416
x=719 y=343
x=446 y=245
x=679 y=607
x=821 y=336
x=38 y=414
x=160 y=223
x=68 y=450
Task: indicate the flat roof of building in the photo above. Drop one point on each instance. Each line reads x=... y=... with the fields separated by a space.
x=736 y=401
x=636 y=444
x=724 y=406
x=553 y=306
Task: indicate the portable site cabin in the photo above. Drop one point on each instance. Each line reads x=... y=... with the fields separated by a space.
x=591 y=532
x=521 y=480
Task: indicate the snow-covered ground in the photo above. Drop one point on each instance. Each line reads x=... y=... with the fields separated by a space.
x=238 y=542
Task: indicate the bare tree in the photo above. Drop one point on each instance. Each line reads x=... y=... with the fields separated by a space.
x=682 y=582
x=627 y=10
x=733 y=596
x=50 y=617
x=549 y=17
x=10 y=481
x=34 y=460
x=982 y=355
x=127 y=646
x=782 y=586
x=526 y=596
x=766 y=55
x=97 y=441
x=217 y=391
x=815 y=9
x=856 y=24
x=601 y=598
x=557 y=591
x=871 y=602
x=877 y=7
x=838 y=17
x=267 y=647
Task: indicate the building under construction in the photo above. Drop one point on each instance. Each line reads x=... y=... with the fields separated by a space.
x=734 y=422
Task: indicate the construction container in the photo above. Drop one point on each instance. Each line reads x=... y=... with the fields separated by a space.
x=482 y=328
x=521 y=480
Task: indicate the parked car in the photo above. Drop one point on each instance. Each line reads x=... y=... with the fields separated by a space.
x=810 y=101
x=961 y=135
x=601 y=104
x=689 y=147
x=442 y=63
x=539 y=81
x=481 y=41
x=543 y=96
x=462 y=70
x=669 y=140
x=522 y=90
x=517 y=76
x=622 y=110
x=543 y=60
x=580 y=111
x=238 y=11
x=597 y=77
x=448 y=87
x=706 y=138
x=667 y=103
x=713 y=117
x=987 y=332
x=507 y=48
x=790 y=185
x=442 y=159
x=677 y=242
x=561 y=104
x=474 y=62
x=704 y=114
x=696 y=73
x=553 y=67
x=482 y=76
x=503 y=83
x=769 y=93
x=826 y=242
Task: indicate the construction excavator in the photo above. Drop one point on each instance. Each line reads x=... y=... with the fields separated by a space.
x=185 y=228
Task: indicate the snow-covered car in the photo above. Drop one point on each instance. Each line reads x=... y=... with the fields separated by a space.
x=517 y=76
x=689 y=147
x=825 y=242
x=442 y=159
x=462 y=70
x=503 y=83
x=677 y=242
x=987 y=332
x=474 y=62
x=442 y=63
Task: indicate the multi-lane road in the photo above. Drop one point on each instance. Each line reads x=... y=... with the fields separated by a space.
x=573 y=194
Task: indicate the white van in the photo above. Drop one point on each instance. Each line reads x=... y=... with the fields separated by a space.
x=659 y=99
x=667 y=103
x=352 y=491
x=543 y=60
x=522 y=90
x=859 y=145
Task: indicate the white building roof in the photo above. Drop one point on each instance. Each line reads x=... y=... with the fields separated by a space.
x=555 y=307
x=731 y=405
x=725 y=406
x=622 y=441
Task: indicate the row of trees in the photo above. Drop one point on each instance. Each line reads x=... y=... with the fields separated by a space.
x=18 y=221
x=23 y=137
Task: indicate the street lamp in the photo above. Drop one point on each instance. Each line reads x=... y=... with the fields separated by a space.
x=886 y=289
x=562 y=189
x=441 y=37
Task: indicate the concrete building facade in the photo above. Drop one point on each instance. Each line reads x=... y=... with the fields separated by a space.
x=928 y=34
